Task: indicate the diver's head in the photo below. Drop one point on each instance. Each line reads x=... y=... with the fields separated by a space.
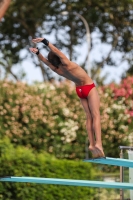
x=54 y=59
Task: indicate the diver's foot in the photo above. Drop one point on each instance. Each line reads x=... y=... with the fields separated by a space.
x=94 y=151
x=100 y=150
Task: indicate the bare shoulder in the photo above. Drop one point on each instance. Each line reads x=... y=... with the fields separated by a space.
x=73 y=64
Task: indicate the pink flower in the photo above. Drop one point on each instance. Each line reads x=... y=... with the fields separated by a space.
x=129 y=121
x=131 y=113
x=130 y=91
x=120 y=92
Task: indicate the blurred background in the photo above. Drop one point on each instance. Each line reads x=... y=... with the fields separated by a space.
x=96 y=35
x=42 y=124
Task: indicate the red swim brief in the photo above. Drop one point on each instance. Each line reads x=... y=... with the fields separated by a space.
x=83 y=91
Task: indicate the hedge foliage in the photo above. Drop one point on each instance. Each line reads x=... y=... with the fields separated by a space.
x=49 y=117
x=125 y=91
x=21 y=161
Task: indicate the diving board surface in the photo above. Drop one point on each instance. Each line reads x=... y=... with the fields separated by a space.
x=71 y=182
x=112 y=161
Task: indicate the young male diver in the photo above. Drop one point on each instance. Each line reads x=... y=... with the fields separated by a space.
x=85 y=89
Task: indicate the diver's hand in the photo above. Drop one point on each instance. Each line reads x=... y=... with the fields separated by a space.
x=37 y=40
x=34 y=50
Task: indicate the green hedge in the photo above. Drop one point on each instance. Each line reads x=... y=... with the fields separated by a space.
x=21 y=161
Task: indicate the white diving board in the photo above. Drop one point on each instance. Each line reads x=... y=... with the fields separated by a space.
x=55 y=181
x=112 y=161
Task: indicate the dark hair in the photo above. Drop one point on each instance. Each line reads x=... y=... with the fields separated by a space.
x=55 y=60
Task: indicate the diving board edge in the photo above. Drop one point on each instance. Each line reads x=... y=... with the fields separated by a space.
x=71 y=182
x=112 y=161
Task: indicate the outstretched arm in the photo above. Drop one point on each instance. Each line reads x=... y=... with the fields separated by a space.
x=55 y=50
x=43 y=59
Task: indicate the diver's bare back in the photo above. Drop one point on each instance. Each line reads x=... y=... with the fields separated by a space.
x=75 y=73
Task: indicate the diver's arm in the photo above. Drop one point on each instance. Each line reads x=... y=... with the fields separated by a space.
x=55 y=50
x=42 y=58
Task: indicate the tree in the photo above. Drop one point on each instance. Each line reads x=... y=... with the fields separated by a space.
x=19 y=27
x=112 y=20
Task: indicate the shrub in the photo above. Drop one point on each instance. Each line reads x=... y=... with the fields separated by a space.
x=49 y=117
x=21 y=161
